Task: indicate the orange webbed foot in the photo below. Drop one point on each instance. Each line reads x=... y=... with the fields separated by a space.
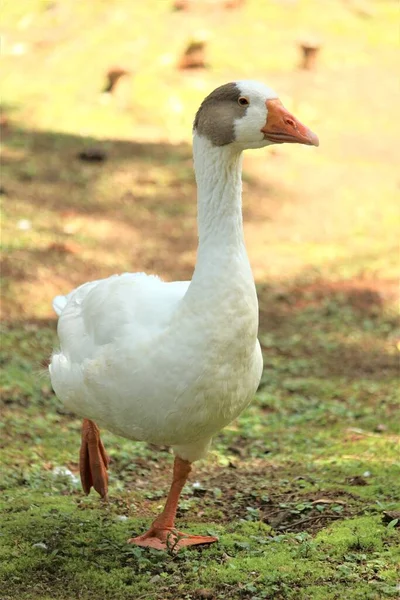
x=170 y=539
x=93 y=460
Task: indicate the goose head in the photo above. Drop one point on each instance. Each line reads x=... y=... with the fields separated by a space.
x=248 y=114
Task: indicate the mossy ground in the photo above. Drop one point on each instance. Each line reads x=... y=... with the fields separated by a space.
x=301 y=487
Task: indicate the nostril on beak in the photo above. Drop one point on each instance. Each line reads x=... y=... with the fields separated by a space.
x=290 y=122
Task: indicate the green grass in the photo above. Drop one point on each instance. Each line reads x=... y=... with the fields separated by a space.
x=296 y=489
x=302 y=489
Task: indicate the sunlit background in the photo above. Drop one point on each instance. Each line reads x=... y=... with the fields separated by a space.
x=98 y=99
x=309 y=212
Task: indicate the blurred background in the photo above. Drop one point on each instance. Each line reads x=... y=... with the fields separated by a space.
x=98 y=100
x=98 y=103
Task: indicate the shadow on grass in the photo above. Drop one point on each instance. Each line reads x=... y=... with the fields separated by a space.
x=339 y=329
x=140 y=200
x=50 y=161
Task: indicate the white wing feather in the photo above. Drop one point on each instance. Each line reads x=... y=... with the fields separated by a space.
x=93 y=314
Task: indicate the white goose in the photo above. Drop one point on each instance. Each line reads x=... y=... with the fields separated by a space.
x=174 y=363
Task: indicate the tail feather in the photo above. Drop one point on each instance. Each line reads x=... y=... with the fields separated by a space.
x=59 y=303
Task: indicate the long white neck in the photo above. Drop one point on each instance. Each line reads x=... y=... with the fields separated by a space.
x=219 y=194
x=221 y=259
x=219 y=203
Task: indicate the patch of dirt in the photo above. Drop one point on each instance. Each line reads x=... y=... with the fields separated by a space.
x=232 y=492
x=285 y=508
x=365 y=295
x=350 y=350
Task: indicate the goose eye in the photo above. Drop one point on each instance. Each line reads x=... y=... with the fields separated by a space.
x=242 y=101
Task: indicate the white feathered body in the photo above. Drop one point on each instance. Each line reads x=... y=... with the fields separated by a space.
x=169 y=363
x=150 y=360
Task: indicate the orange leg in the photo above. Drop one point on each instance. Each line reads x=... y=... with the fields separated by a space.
x=162 y=534
x=93 y=460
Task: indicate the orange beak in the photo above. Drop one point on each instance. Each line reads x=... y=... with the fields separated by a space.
x=283 y=127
